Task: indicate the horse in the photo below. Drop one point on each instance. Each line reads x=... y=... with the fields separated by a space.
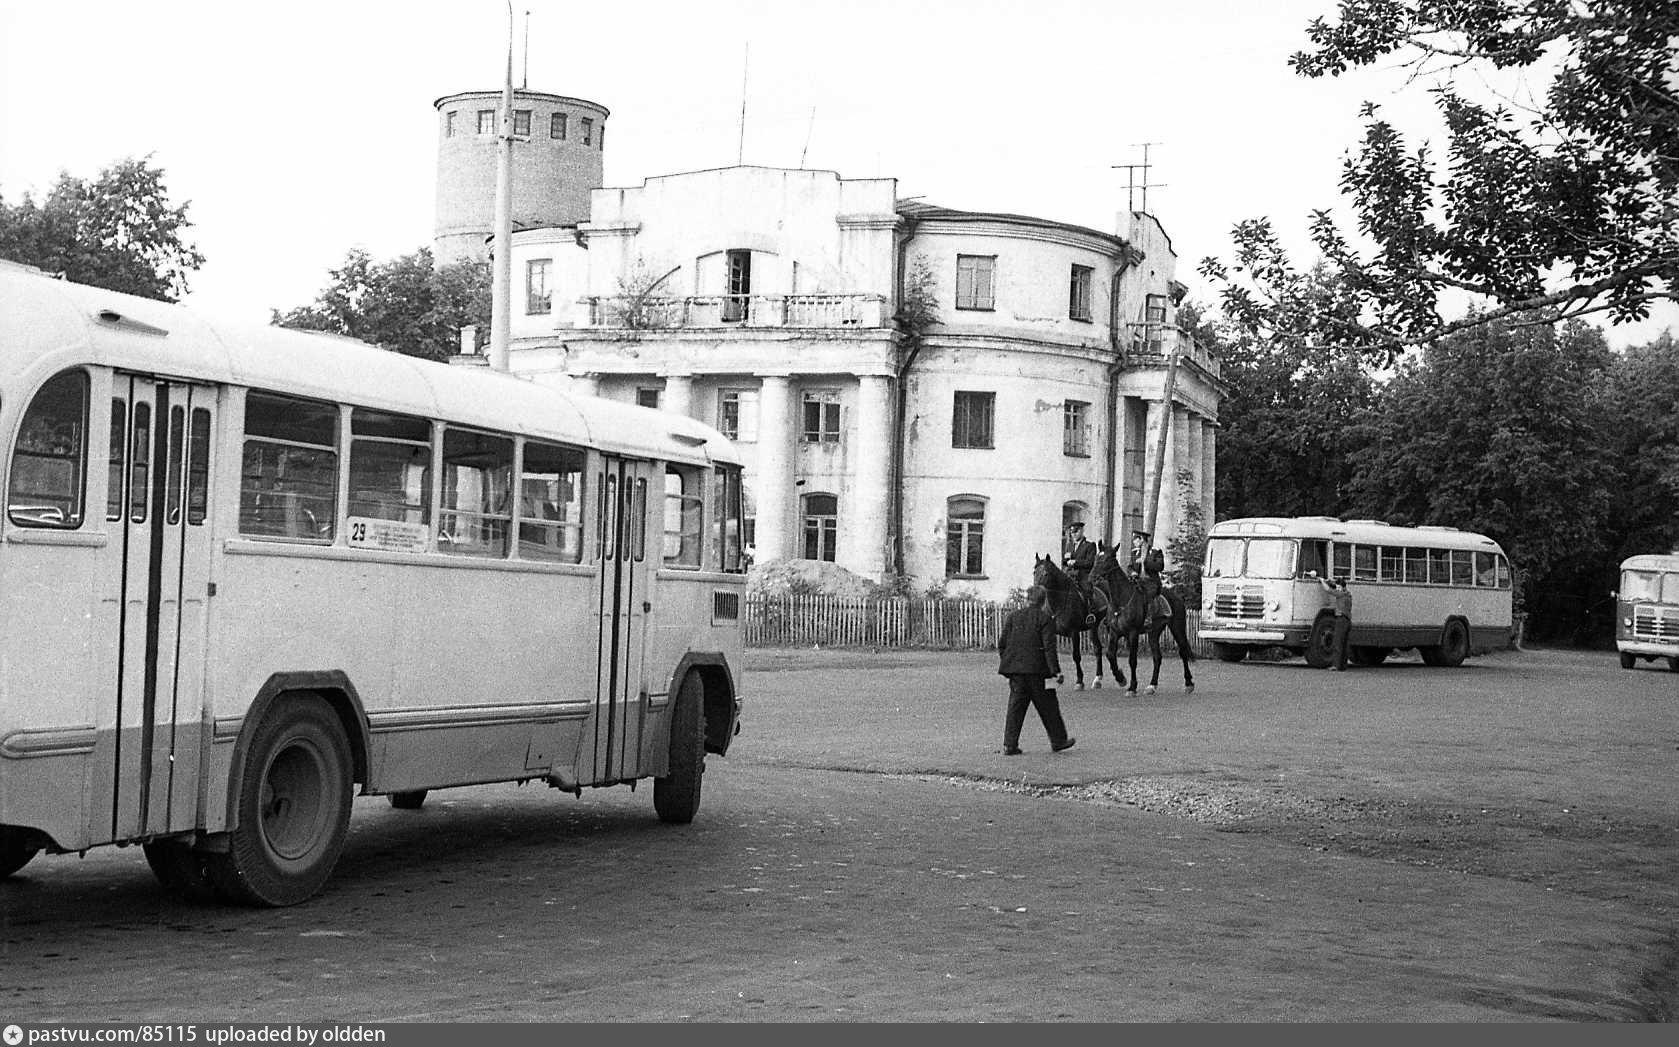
x=1075 y=616
x=1135 y=614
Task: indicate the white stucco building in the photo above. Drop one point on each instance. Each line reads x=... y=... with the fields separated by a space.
x=945 y=443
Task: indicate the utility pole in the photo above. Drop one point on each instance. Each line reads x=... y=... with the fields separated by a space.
x=1160 y=450
x=502 y=253
x=1131 y=185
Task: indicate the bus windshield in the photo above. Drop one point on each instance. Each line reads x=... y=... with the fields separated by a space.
x=1270 y=558
x=1654 y=586
x=1224 y=558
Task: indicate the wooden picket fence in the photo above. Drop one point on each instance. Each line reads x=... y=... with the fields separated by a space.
x=834 y=621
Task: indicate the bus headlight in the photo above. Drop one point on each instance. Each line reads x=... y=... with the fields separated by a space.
x=1276 y=605
x=1627 y=622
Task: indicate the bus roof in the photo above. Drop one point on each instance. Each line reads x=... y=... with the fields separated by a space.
x=1651 y=562
x=1373 y=532
x=53 y=324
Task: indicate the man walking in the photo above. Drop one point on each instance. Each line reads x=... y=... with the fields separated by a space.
x=1027 y=656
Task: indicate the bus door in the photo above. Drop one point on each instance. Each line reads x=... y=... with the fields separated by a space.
x=158 y=508
x=612 y=752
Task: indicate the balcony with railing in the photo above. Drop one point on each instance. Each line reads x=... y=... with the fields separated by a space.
x=1154 y=342
x=833 y=311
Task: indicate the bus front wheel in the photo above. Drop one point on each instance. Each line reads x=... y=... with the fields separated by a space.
x=1229 y=652
x=676 y=794
x=293 y=807
x=1320 y=644
x=1452 y=649
x=408 y=801
x=1628 y=659
x=15 y=851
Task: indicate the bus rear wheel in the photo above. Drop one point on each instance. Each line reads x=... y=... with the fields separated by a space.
x=1365 y=655
x=1320 y=644
x=15 y=851
x=293 y=808
x=1229 y=652
x=676 y=794
x=179 y=869
x=1452 y=649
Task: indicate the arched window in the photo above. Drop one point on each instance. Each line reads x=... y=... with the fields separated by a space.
x=821 y=525
x=964 y=550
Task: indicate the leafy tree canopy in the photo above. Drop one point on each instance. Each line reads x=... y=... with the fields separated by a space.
x=1569 y=203
x=407 y=304
x=118 y=231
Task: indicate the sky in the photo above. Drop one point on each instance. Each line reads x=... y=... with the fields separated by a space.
x=296 y=131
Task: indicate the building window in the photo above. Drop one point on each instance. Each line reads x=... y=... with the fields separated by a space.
x=964 y=548
x=556 y=126
x=822 y=416
x=522 y=122
x=539 y=293
x=975 y=281
x=1075 y=434
x=600 y=138
x=821 y=522
x=1154 y=309
x=448 y=125
x=647 y=396
x=970 y=425
x=1078 y=293
x=737 y=414
x=588 y=131
x=737 y=288
x=486 y=121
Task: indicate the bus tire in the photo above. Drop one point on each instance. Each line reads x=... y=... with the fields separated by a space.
x=408 y=801
x=15 y=851
x=1628 y=659
x=1320 y=643
x=676 y=794
x=179 y=869
x=1673 y=663
x=1453 y=647
x=1229 y=652
x=293 y=807
x=1365 y=655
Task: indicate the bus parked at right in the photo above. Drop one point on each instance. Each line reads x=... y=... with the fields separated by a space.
x=1443 y=591
x=1647 y=610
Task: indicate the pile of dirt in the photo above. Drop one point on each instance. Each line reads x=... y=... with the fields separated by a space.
x=808 y=578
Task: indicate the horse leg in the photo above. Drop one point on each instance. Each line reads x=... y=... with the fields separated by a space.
x=1111 y=651
x=1078 y=663
x=1154 y=649
x=1096 y=649
x=1131 y=642
x=1180 y=633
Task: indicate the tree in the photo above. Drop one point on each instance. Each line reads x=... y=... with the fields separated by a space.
x=118 y=231
x=1569 y=204
x=1499 y=429
x=407 y=304
x=1642 y=445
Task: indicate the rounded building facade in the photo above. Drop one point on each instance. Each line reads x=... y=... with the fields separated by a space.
x=558 y=158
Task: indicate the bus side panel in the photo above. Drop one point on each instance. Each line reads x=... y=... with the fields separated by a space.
x=687 y=625
x=52 y=729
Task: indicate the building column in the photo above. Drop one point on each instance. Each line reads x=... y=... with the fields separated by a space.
x=863 y=537
x=1193 y=462
x=1209 y=471
x=773 y=488
x=1177 y=457
x=679 y=394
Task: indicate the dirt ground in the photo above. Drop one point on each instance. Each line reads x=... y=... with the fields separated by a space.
x=1496 y=843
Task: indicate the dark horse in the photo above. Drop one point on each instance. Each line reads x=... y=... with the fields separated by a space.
x=1074 y=617
x=1135 y=614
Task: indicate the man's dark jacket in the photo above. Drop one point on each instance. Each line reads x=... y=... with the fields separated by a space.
x=1026 y=644
x=1081 y=558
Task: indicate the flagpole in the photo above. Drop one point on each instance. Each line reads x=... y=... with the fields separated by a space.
x=502 y=252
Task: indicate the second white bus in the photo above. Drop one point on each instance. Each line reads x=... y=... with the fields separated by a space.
x=1440 y=590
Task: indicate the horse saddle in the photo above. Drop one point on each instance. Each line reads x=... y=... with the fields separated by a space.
x=1160 y=607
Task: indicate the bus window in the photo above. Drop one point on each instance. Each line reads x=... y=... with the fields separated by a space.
x=1224 y=558
x=1416 y=566
x=176 y=466
x=1343 y=560
x=1270 y=558
x=289 y=474
x=116 y=469
x=198 y=467
x=726 y=520
x=1503 y=572
x=1640 y=586
x=1463 y=567
x=683 y=501
x=50 y=459
x=1486 y=575
x=1312 y=558
x=476 y=515
x=390 y=467
x=1393 y=564
x=140 y=463
x=1364 y=562
x=551 y=503
x=1439 y=567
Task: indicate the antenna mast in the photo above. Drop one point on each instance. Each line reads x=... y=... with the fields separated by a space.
x=525 y=73
x=808 y=129
x=1131 y=185
x=741 y=153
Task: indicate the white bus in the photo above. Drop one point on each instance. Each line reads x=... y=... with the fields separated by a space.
x=1647 y=610
x=246 y=573
x=1445 y=592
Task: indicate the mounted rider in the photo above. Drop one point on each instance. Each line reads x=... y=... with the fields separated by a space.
x=1078 y=559
x=1147 y=570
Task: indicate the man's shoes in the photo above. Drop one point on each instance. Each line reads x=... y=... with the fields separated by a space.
x=1011 y=752
x=1068 y=744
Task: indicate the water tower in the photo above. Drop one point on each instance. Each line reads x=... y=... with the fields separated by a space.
x=559 y=144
